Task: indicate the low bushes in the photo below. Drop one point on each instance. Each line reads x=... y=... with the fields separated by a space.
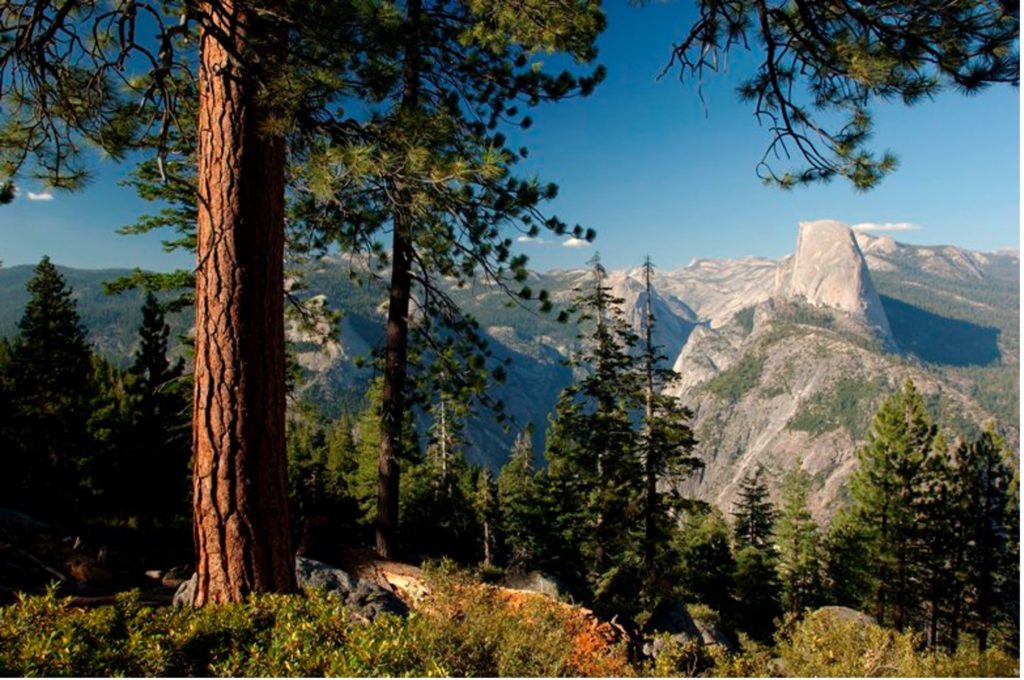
x=460 y=629
x=826 y=645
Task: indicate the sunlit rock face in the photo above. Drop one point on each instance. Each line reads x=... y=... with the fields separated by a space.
x=828 y=270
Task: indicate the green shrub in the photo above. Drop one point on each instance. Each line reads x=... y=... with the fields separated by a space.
x=679 y=659
x=745 y=318
x=701 y=612
x=462 y=628
x=754 y=661
x=42 y=636
x=823 y=645
x=968 y=662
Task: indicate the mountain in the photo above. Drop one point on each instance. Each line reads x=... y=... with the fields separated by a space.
x=794 y=379
x=783 y=361
x=828 y=270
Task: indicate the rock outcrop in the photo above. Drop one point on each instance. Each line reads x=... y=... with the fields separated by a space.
x=673 y=619
x=363 y=596
x=828 y=270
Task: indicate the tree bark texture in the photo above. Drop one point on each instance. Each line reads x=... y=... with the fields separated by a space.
x=396 y=351
x=241 y=524
x=393 y=391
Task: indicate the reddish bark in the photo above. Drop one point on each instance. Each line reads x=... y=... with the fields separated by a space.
x=241 y=525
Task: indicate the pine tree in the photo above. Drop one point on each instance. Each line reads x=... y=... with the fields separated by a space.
x=885 y=488
x=756 y=592
x=342 y=455
x=520 y=503
x=51 y=391
x=125 y=77
x=11 y=457
x=666 y=446
x=938 y=534
x=799 y=544
x=753 y=513
x=757 y=588
x=160 y=397
x=437 y=502
x=708 y=565
x=488 y=515
x=987 y=501
x=322 y=462
x=307 y=475
x=432 y=173
x=365 y=477
x=594 y=451
x=849 y=571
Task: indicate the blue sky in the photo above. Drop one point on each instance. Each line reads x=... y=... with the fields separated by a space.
x=644 y=163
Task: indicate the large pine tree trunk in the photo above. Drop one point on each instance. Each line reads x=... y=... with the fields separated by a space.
x=241 y=525
x=393 y=391
x=396 y=351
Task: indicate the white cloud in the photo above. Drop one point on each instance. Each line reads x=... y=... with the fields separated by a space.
x=886 y=226
x=42 y=196
x=531 y=239
x=573 y=242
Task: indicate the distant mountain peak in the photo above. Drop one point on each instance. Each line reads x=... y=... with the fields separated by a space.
x=828 y=270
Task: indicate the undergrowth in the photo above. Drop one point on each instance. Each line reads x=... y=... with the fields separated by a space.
x=460 y=629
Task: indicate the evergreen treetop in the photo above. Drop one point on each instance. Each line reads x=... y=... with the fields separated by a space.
x=51 y=388
x=753 y=513
x=800 y=563
x=885 y=488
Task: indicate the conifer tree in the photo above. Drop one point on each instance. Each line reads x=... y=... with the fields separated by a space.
x=109 y=486
x=7 y=435
x=666 y=446
x=708 y=565
x=488 y=515
x=321 y=462
x=799 y=546
x=593 y=450
x=849 y=572
x=520 y=502
x=753 y=513
x=756 y=591
x=365 y=477
x=307 y=475
x=756 y=583
x=262 y=80
x=987 y=499
x=437 y=503
x=342 y=462
x=885 y=488
x=51 y=391
x=159 y=397
x=940 y=538
x=432 y=174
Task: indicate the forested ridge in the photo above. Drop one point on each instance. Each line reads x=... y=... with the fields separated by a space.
x=923 y=499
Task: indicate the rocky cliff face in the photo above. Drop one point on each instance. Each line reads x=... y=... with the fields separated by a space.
x=791 y=393
x=794 y=381
x=828 y=270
